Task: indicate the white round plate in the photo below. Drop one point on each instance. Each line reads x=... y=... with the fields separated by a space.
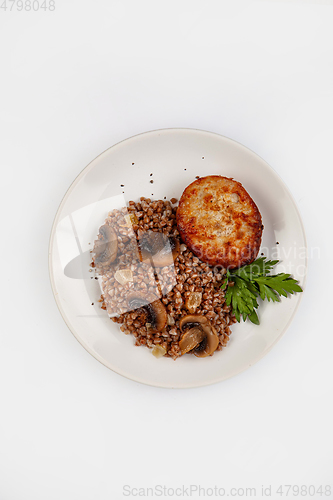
x=123 y=173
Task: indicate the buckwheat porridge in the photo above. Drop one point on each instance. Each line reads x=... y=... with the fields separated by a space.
x=154 y=287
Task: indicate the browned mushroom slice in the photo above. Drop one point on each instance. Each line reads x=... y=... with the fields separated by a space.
x=106 y=246
x=168 y=254
x=191 y=339
x=209 y=341
x=192 y=320
x=159 y=248
x=210 y=344
x=150 y=243
x=156 y=313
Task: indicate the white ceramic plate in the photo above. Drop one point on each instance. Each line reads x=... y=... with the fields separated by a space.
x=174 y=157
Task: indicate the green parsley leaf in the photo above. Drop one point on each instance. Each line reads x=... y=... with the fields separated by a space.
x=253 y=317
x=244 y=285
x=260 y=267
x=282 y=283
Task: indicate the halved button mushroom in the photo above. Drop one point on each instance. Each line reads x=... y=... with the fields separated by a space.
x=159 y=248
x=191 y=339
x=199 y=335
x=192 y=320
x=154 y=309
x=106 y=246
x=211 y=343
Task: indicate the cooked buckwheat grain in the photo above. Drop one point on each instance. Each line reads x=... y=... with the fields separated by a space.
x=188 y=281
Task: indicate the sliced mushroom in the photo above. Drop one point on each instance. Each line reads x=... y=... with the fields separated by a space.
x=210 y=344
x=191 y=339
x=209 y=338
x=106 y=246
x=154 y=309
x=192 y=320
x=159 y=248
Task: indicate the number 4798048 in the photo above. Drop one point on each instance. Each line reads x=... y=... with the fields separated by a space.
x=27 y=5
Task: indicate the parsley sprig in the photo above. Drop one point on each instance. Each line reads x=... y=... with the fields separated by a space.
x=244 y=285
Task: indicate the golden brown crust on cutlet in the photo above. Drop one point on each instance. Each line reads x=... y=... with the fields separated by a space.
x=218 y=220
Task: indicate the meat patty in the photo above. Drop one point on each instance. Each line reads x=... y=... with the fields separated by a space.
x=218 y=220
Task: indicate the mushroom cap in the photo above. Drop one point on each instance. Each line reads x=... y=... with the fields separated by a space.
x=159 y=248
x=156 y=312
x=106 y=246
x=209 y=341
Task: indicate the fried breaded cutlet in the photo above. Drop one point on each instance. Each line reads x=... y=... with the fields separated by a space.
x=219 y=221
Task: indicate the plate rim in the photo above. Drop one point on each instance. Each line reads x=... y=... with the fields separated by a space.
x=51 y=270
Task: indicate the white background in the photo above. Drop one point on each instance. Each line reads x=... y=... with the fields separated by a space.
x=75 y=81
